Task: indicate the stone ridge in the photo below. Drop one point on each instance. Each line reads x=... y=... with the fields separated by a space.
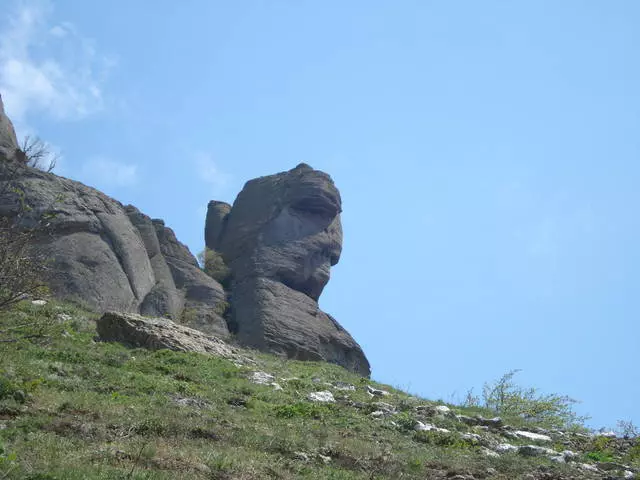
x=280 y=239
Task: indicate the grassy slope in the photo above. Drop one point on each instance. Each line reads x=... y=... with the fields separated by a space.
x=102 y=411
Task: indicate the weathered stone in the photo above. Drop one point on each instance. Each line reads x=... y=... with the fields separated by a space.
x=155 y=334
x=505 y=448
x=322 y=397
x=435 y=411
x=164 y=299
x=385 y=407
x=536 y=451
x=426 y=427
x=97 y=255
x=105 y=255
x=181 y=288
x=280 y=239
x=532 y=436
x=270 y=316
x=376 y=392
x=109 y=257
x=262 y=378
x=216 y=216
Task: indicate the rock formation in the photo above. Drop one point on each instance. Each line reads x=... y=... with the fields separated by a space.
x=104 y=254
x=157 y=333
x=280 y=239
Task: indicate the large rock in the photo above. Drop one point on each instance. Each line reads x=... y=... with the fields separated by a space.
x=204 y=298
x=216 y=214
x=280 y=239
x=156 y=334
x=103 y=254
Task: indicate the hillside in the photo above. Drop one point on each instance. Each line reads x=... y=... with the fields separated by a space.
x=74 y=408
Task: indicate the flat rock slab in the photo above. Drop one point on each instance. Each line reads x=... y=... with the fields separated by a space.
x=155 y=334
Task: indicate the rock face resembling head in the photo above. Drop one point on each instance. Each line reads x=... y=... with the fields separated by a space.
x=280 y=239
x=285 y=227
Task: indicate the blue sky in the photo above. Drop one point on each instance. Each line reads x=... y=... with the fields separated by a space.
x=487 y=154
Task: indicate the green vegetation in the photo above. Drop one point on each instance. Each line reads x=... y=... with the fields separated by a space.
x=71 y=408
x=214 y=266
x=512 y=401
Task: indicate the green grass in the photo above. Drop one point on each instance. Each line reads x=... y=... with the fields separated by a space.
x=73 y=408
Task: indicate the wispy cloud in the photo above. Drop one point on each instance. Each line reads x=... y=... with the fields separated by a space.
x=208 y=171
x=47 y=67
x=103 y=171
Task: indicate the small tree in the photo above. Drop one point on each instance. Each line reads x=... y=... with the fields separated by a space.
x=627 y=429
x=213 y=265
x=507 y=398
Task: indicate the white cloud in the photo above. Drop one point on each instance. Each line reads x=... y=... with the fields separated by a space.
x=58 y=31
x=208 y=171
x=49 y=69
x=102 y=171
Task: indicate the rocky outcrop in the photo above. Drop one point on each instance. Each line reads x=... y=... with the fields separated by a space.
x=216 y=214
x=156 y=334
x=103 y=254
x=182 y=290
x=280 y=239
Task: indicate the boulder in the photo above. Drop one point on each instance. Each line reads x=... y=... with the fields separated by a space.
x=155 y=334
x=321 y=397
x=280 y=239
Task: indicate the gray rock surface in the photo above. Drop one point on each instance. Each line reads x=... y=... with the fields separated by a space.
x=280 y=239
x=216 y=214
x=204 y=298
x=103 y=254
x=155 y=334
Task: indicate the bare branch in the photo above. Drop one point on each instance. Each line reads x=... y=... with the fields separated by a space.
x=37 y=153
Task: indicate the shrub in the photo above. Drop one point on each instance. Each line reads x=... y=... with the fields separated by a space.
x=36 y=153
x=628 y=429
x=214 y=266
x=405 y=421
x=508 y=399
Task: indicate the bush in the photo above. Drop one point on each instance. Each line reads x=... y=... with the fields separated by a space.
x=214 y=266
x=36 y=153
x=508 y=399
x=627 y=429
